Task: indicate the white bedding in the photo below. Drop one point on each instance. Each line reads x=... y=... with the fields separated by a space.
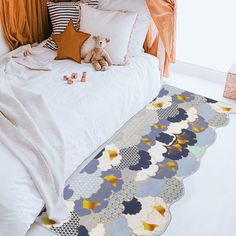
x=87 y=114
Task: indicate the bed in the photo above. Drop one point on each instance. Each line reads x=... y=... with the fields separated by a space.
x=205 y=212
x=81 y=127
x=87 y=114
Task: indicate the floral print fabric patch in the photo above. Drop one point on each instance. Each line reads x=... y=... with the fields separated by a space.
x=128 y=187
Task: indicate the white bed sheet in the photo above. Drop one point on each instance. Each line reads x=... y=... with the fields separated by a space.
x=87 y=113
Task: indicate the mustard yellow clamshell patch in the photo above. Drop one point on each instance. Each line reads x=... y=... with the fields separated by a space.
x=227 y=108
x=197 y=129
x=159 y=126
x=178 y=147
x=172 y=165
x=112 y=179
x=182 y=141
x=47 y=221
x=158 y=105
x=147 y=141
x=112 y=154
x=149 y=227
x=90 y=205
x=182 y=98
x=160 y=209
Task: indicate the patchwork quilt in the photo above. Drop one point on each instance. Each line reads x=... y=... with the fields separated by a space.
x=129 y=186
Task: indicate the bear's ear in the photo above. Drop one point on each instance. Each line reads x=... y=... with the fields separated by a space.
x=95 y=37
x=107 y=40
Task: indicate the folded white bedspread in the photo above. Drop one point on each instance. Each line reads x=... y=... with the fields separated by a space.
x=26 y=57
x=29 y=132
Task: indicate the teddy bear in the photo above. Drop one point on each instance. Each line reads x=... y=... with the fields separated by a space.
x=98 y=56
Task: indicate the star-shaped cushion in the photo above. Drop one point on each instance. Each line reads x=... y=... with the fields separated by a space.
x=69 y=43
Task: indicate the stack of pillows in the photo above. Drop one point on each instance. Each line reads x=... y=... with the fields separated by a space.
x=124 y=22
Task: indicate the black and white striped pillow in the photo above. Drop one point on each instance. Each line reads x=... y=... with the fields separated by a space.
x=91 y=3
x=61 y=13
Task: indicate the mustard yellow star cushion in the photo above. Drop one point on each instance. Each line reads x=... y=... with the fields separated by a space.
x=69 y=43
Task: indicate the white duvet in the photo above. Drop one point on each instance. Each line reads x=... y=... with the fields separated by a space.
x=87 y=114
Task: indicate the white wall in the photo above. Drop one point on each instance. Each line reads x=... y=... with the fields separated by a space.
x=3 y=45
x=206 y=33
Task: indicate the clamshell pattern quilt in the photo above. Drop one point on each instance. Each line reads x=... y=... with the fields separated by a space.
x=127 y=189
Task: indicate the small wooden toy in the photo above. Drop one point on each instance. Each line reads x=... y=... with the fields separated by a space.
x=66 y=78
x=74 y=75
x=27 y=53
x=84 y=76
x=70 y=81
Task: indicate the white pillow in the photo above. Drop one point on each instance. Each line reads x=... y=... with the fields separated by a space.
x=142 y=22
x=115 y=25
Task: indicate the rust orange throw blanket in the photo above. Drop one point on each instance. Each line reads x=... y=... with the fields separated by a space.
x=163 y=13
x=24 y=21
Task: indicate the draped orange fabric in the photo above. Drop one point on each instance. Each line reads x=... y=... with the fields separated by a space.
x=24 y=21
x=163 y=13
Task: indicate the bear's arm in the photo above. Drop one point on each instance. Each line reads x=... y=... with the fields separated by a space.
x=107 y=58
x=88 y=56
